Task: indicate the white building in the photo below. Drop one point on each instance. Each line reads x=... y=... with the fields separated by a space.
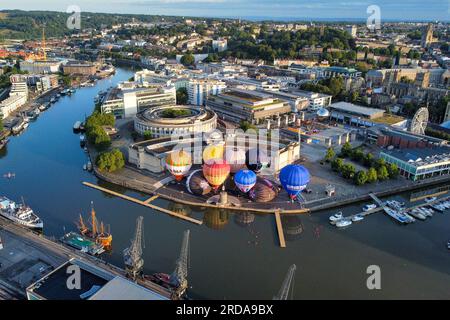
x=200 y=89
x=220 y=45
x=351 y=30
x=40 y=67
x=11 y=104
x=316 y=100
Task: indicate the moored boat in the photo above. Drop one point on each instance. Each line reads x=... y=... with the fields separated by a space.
x=82 y=243
x=20 y=214
x=369 y=207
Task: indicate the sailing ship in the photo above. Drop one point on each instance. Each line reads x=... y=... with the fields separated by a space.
x=97 y=232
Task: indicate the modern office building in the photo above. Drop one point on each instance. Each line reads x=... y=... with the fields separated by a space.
x=96 y=284
x=298 y=102
x=200 y=89
x=419 y=163
x=128 y=99
x=253 y=106
x=160 y=122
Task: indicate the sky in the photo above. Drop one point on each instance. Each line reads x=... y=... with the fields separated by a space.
x=253 y=9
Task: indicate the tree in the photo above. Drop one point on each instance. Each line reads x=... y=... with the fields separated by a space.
x=1 y=125
x=361 y=178
x=357 y=154
x=182 y=96
x=111 y=161
x=372 y=175
x=348 y=171
x=245 y=125
x=382 y=173
x=147 y=135
x=330 y=154
x=380 y=163
x=393 y=170
x=188 y=60
x=337 y=164
x=346 y=149
x=368 y=160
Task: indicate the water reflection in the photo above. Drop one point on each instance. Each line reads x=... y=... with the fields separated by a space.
x=180 y=208
x=244 y=219
x=292 y=227
x=216 y=219
x=4 y=152
x=112 y=187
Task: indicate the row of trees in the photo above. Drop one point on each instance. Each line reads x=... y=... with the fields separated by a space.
x=111 y=161
x=95 y=132
x=377 y=170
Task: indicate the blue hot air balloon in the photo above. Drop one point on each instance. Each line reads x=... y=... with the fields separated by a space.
x=294 y=179
x=245 y=180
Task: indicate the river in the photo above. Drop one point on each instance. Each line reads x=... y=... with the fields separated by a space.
x=228 y=259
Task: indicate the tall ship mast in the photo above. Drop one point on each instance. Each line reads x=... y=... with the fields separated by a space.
x=97 y=232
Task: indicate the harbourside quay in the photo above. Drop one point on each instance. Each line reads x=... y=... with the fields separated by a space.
x=48 y=161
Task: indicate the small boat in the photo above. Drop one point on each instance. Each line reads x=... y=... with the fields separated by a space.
x=86 y=149
x=369 y=207
x=76 y=126
x=53 y=100
x=357 y=218
x=85 y=167
x=9 y=175
x=3 y=143
x=446 y=204
x=336 y=217
x=343 y=223
x=42 y=107
x=89 y=166
x=430 y=199
x=438 y=207
x=82 y=140
x=425 y=212
x=448 y=245
x=418 y=215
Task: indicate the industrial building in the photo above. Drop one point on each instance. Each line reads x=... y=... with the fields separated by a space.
x=128 y=99
x=237 y=105
x=40 y=67
x=95 y=284
x=419 y=163
x=79 y=68
x=155 y=122
x=385 y=137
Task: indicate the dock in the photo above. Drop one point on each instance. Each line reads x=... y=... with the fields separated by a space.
x=144 y=203
x=280 y=229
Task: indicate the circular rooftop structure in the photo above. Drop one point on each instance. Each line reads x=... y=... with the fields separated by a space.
x=177 y=119
x=323 y=113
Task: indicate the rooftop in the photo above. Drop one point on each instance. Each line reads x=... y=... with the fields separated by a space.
x=353 y=108
x=421 y=157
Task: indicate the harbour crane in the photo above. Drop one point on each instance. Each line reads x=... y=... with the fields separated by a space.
x=179 y=277
x=134 y=263
x=283 y=294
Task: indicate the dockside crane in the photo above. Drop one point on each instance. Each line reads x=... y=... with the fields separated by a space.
x=283 y=294
x=134 y=263
x=179 y=277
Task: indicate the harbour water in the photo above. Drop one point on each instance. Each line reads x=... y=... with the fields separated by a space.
x=232 y=256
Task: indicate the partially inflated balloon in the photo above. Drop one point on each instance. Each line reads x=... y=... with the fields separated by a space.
x=245 y=180
x=236 y=158
x=178 y=163
x=216 y=172
x=213 y=152
x=294 y=179
x=263 y=191
x=256 y=160
x=197 y=184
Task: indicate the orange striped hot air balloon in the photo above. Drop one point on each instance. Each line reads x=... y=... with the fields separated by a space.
x=216 y=172
x=213 y=152
x=178 y=163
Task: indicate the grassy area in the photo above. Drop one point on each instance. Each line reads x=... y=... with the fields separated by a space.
x=388 y=119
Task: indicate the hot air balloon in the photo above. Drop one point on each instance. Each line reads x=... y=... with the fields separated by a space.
x=236 y=158
x=178 y=163
x=256 y=160
x=245 y=180
x=213 y=152
x=197 y=184
x=216 y=172
x=263 y=191
x=294 y=179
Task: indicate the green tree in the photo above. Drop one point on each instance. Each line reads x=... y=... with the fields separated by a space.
x=337 y=164
x=372 y=175
x=361 y=178
x=188 y=60
x=382 y=173
x=380 y=163
x=147 y=135
x=182 y=96
x=330 y=154
x=348 y=171
x=357 y=154
x=1 y=125
x=346 y=150
x=111 y=161
x=393 y=170
x=245 y=125
x=368 y=160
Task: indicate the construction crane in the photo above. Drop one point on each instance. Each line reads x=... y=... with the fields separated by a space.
x=134 y=263
x=283 y=294
x=44 y=52
x=179 y=277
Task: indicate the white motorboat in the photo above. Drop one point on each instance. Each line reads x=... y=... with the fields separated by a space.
x=336 y=217
x=418 y=215
x=20 y=214
x=357 y=218
x=430 y=199
x=369 y=207
x=343 y=223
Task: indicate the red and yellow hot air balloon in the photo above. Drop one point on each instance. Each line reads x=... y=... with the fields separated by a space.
x=179 y=163
x=213 y=152
x=216 y=172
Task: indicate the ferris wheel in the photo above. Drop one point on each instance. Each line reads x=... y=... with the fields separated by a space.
x=419 y=122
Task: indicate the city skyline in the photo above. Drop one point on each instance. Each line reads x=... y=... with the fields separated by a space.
x=414 y=10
